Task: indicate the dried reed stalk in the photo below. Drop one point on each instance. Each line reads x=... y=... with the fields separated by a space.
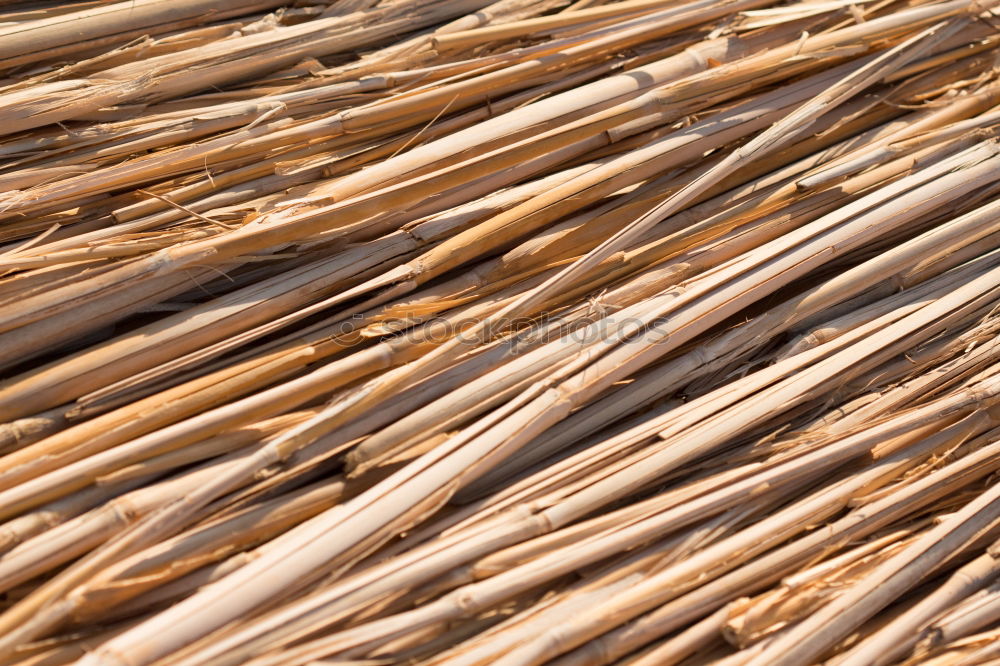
x=512 y=332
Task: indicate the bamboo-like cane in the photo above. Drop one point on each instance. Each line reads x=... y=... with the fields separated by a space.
x=581 y=333
x=895 y=639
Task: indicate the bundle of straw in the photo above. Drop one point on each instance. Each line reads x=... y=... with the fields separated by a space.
x=502 y=332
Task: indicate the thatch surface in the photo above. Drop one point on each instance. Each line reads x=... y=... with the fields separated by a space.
x=513 y=332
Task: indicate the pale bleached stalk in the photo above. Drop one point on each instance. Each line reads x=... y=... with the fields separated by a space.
x=70 y=539
x=775 y=136
x=258 y=237
x=895 y=639
x=861 y=521
x=467 y=38
x=851 y=282
x=800 y=594
x=163 y=521
x=559 y=513
x=574 y=554
x=61 y=35
x=981 y=648
x=386 y=565
x=99 y=365
x=216 y=540
x=670 y=582
x=687 y=643
x=799 y=119
x=807 y=639
x=482 y=595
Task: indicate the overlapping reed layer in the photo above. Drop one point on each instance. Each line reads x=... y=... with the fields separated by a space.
x=513 y=332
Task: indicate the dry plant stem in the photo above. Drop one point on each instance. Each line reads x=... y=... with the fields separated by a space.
x=262 y=236
x=632 y=568
x=691 y=413
x=687 y=643
x=884 y=585
x=393 y=248
x=922 y=293
x=62 y=35
x=31 y=479
x=196 y=547
x=152 y=527
x=467 y=38
x=481 y=595
x=428 y=103
x=187 y=330
x=747 y=543
x=974 y=614
x=672 y=417
x=24 y=527
x=777 y=135
x=260 y=405
x=171 y=75
x=54 y=602
x=776 y=229
x=201 y=325
x=508 y=582
x=780 y=133
x=752 y=576
x=768 y=614
x=616 y=366
x=560 y=514
x=76 y=536
x=133 y=420
x=438 y=558
x=981 y=648
x=889 y=146
x=898 y=637
x=670 y=374
x=24 y=432
x=839 y=288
